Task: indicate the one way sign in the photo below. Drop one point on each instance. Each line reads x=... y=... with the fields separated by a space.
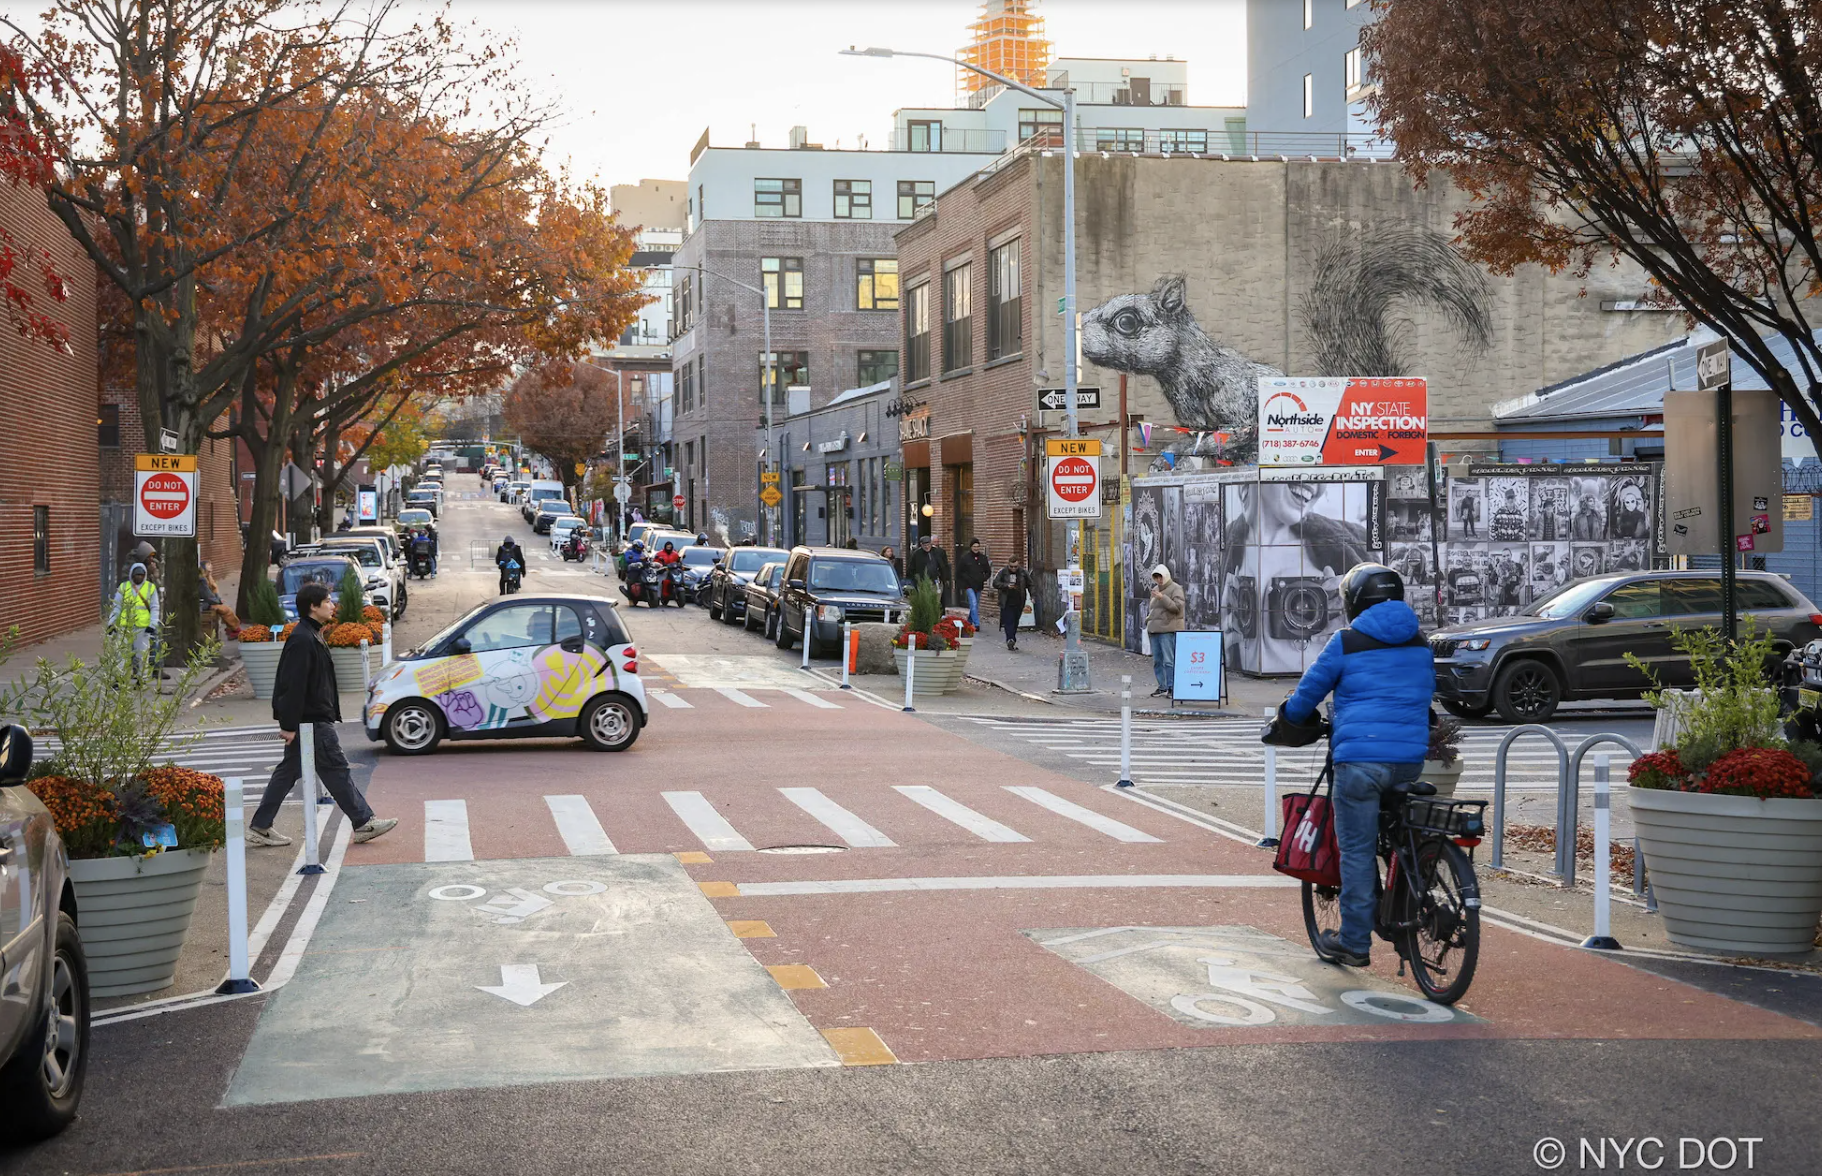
x=1057 y=399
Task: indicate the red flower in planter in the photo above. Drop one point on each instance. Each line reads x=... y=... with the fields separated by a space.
x=1659 y=769
x=1765 y=772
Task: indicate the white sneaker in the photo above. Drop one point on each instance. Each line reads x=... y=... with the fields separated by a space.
x=266 y=837
x=375 y=828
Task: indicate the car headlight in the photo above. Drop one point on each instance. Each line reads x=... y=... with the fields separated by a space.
x=828 y=612
x=1473 y=644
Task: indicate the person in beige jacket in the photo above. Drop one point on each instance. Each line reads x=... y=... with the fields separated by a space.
x=1163 y=621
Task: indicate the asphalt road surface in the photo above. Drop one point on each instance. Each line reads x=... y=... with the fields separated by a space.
x=794 y=929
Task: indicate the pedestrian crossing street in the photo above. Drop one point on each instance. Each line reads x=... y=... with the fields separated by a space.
x=1227 y=752
x=448 y=836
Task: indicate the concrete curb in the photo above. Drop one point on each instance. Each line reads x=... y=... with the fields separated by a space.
x=212 y=681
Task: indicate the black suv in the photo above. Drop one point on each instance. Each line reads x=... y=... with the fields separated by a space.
x=1572 y=644
x=825 y=586
x=726 y=590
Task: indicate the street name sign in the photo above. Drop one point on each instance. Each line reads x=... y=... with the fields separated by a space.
x=164 y=494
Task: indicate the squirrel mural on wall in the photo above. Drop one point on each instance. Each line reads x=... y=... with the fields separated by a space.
x=1350 y=317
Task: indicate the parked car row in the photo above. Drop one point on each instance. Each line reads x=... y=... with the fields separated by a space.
x=805 y=594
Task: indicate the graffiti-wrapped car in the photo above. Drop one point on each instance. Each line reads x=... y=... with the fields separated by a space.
x=525 y=667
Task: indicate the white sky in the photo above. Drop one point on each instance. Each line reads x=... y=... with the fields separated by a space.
x=641 y=78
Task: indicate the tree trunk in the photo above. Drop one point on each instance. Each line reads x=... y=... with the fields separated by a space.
x=268 y=461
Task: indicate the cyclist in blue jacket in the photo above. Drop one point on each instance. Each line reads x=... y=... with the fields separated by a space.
x=1381 y=673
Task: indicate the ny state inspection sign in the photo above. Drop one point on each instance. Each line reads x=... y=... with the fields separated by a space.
x=1343 y=420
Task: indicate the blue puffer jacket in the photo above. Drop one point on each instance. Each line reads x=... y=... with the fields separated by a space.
x=1383 y=679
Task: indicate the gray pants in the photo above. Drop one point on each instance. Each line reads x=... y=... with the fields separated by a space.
x=331 y=769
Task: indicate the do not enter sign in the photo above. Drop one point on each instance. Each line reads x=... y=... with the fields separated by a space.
x=678 y=501
x=1074 y=485
x=164 y=494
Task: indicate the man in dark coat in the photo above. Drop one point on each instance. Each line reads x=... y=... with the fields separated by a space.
x=971 y=576
x=1014 y=584
x=304 y=692
x=929 y=560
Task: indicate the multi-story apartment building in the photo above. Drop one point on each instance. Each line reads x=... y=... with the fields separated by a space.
x=641 y=357
x=1306 y=78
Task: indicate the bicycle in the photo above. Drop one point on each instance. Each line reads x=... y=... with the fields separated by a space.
x=1435 y=926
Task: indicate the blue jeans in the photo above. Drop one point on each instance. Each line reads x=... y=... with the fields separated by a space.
x=1164 y=658
x=974 y=606
x=1358 y=788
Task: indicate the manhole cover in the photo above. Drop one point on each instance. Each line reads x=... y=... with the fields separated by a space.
x=803 y=849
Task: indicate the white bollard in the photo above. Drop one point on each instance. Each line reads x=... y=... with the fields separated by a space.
x=1125 y=732
x=1602 y=939
x=847 y=651
x=366 y=666
x=809 y=626
x=1271 y=789
x=306 y=750
x=234 y=811
x=910 y=670
x=386 y=649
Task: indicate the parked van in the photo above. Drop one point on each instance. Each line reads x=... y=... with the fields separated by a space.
x=537 y=492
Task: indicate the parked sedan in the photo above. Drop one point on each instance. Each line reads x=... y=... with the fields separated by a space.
x=761 y=599
x=44 y=1015
x=725 y=592
x=324 y=570
x=1573 y=643
x=522 y=667
x=698 y=562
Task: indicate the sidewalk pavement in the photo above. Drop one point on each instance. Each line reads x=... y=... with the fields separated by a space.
x=1031 y=671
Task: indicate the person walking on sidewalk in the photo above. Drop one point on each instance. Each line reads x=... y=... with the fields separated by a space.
x=136 y=612
x=304 y=692
x=971 y=575
x=929 y=562
x=1014 y=585
x=1163 y=621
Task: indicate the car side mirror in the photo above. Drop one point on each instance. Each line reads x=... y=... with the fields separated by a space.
x=1599 y=613
x=15 y=754
x=461 y=645
x=794 y=585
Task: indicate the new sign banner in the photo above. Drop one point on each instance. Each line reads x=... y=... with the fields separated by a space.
x=1343 y=420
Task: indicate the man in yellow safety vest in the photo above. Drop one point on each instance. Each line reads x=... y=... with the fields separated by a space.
x=136 y=612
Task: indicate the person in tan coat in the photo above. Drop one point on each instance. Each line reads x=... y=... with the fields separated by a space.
x=1163 y=621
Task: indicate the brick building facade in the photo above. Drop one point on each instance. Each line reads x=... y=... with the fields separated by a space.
x=49 y=483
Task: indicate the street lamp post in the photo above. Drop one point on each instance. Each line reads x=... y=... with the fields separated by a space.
x=768 y=381
x=1072 y=671
x=620 y=454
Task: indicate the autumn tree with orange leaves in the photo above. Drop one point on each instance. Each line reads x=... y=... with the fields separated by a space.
x=566 y=412
x=25 y=162
x=1684 y=135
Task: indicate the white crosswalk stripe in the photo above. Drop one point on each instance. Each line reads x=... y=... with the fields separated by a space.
x=1075 y=812
x=709 y=826
x=958 y=813
x=581 y=829
x=740 y=697
x=667 y=698
x=1216 y=752
x=844 y=824
x=446 y=831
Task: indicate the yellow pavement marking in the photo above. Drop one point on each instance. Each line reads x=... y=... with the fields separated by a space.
x=751 y=929
x=859 y=1047
x=794 y=976
x=720 y=889
x=693 y=857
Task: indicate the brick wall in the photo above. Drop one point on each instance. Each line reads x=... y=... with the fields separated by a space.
x=47 y=443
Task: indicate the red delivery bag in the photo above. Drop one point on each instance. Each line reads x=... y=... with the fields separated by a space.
x=1307 y=849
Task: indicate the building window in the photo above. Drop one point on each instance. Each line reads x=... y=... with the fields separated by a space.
x=924 y=135
x=777 y=198
x=913 y=195
x=107 y=426
x=790 y=368
x=876 y=367
x=917 y=334
x=853 y=199
x=1309 y=95
x=41 y=539
x=783 y=281
x=876 y=283
x=1119 y=138
x=682 y=307
x=1048 y=123
x=1175 y=140
x=1309 y=14
x=1005 y=323
x=958 y=318
x=1351 y=69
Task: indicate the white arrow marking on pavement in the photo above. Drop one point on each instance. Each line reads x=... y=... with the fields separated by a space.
x=519 y=983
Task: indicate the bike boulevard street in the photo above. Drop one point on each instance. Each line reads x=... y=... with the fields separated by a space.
x=796 y=926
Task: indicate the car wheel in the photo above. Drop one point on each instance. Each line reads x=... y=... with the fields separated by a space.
x=1462 y=710
x=746 y=622
x=715 y=612
x=783 y=635
x=1526 y=692
x=42 y=1085
x=412 y=728
x=610 y=722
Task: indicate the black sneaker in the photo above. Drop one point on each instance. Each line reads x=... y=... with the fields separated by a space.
x=1328 y=944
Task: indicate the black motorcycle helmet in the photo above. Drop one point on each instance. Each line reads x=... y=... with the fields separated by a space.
x=1368 y=584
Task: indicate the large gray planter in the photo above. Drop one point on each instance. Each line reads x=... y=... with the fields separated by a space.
x=351 y=670
x=261 y=661
x=1733 y=874
x=938 y=671
x=134 y=914
x=1445 y=777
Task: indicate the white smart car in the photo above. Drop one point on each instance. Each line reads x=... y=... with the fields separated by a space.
x=521 y=667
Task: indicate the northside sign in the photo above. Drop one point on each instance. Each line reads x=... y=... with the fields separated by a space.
x=1343 y=420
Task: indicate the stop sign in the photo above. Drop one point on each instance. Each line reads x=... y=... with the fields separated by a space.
x=1073 y=479
x=677 y=500
x=164 y=496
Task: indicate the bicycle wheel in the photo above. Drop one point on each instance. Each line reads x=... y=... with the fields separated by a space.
x=1321 y=912
x=1442 y=941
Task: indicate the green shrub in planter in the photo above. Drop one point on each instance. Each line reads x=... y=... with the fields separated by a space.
x=348 y=602
x=263 y=607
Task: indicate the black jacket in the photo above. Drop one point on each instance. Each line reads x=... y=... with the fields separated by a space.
x=1013 y=585
x=973 y=571
x=932 y=563
x=502 y=553
x=304 y=691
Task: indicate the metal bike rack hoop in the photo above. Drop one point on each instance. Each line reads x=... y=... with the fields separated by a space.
x=1568 y=802
x=1499 y=782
